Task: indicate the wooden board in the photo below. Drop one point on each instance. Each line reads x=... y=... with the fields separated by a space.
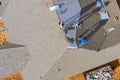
x=117 y=71
x=1 y=24
x=76 y=77
x=4 y=38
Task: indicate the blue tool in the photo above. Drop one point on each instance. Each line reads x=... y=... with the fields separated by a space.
x=84 y=41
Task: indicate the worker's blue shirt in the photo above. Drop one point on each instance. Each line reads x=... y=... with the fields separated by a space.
x=83 y=41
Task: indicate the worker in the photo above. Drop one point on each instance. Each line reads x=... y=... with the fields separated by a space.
x=61 y=24
x=84 y=41
x=79 y=25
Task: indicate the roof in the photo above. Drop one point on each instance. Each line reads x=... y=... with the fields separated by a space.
x=30 y=23
x=13 y=58
x=69 y=12
x=81 y=60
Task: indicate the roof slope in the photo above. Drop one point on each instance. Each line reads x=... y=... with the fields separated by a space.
x=13 y=58
x=69 y=12
x=30 y=23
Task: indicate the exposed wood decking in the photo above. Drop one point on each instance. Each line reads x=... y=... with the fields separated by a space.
x=4 y=39
x=17 y=76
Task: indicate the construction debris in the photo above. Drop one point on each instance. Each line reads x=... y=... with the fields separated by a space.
x=116 y=18
x=105 y=73
x=111 y=29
